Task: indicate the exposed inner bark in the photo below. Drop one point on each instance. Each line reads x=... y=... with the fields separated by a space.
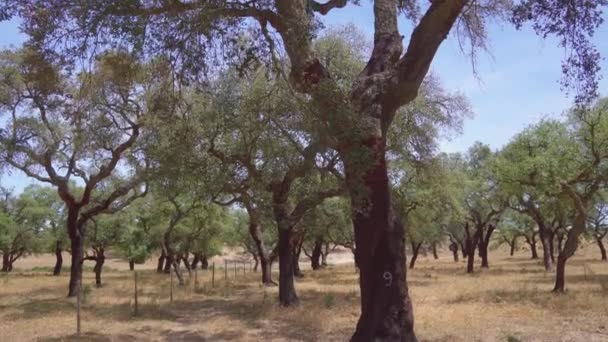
x=484 y=241
x=454 y=249
x=58 y=257
x=287 y=290
x=415 y=251
x=297 y=250
x=100 y=259
x=386 y=309
x=77 y=247
x=471 y=241
x=317 y=251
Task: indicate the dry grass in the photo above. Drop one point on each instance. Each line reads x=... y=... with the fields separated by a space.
x=509 y=302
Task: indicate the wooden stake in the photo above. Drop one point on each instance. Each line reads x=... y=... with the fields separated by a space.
x=213 y=275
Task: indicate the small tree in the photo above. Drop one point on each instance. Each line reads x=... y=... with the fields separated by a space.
x=62 y=126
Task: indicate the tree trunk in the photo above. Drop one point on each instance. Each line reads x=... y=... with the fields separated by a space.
x=534 y=252
x=560 y=274
x=255 y=231
x=415 y=251
x=386 y=308
x=512 y=245
x=434 y=247
x=58 y=258
x=287 y=290
x=483 y=253
x=77 y=246
x=131 y=265
x=6 y=260
x=484 y=242
x=545 y=240
x=195 y=260
x=256 y=262
x=204 y=262
x=552 y=245
x=178 y=272
x=471 y=260
x=184 y=258
x=579 y=224
x=560 y=242
x=471 y=241
x=297 y=250
x=266 y=265
x=600 y=244
x=168 y=262
x=454 y=249
x=463 y=249
x=99 y=261
x=324 y=255
x=161 y=262
x=315 y=259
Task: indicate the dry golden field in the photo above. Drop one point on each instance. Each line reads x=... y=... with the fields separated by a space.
x=509 y=302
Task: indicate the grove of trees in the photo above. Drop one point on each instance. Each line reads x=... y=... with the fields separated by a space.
x=176 y=128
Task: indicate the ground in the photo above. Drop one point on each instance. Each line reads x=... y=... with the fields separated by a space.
x=509 y=302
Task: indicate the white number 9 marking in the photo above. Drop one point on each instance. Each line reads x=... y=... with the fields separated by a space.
x=388 y=277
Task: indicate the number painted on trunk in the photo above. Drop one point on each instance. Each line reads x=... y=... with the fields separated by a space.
x=388 y=277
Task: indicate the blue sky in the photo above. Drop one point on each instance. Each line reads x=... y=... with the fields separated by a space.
x=517 y=82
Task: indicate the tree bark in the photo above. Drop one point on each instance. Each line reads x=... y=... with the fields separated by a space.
x=415 y=251
x=161 y=262
x=195 y=259
x=6 y=260
x=131 y=265
x=297 y=249
x=287 y=290
x=178 y=272
x=99 y=261
x=600 y=244
x=552 y=245
x=434 y=247
x=58 y=258
x=168 y=262
x=386 y=308
x=471 y=241
x=454 y=249
x=545 y=240
x=256 y=263
x=315 y=259
x=560 y=242
x=77 y=247
x=534 y=252
x=484 y=242
x=204 y=262
x=255 y=231
x=512 y=245
x=579 y=224
x=324 y=255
